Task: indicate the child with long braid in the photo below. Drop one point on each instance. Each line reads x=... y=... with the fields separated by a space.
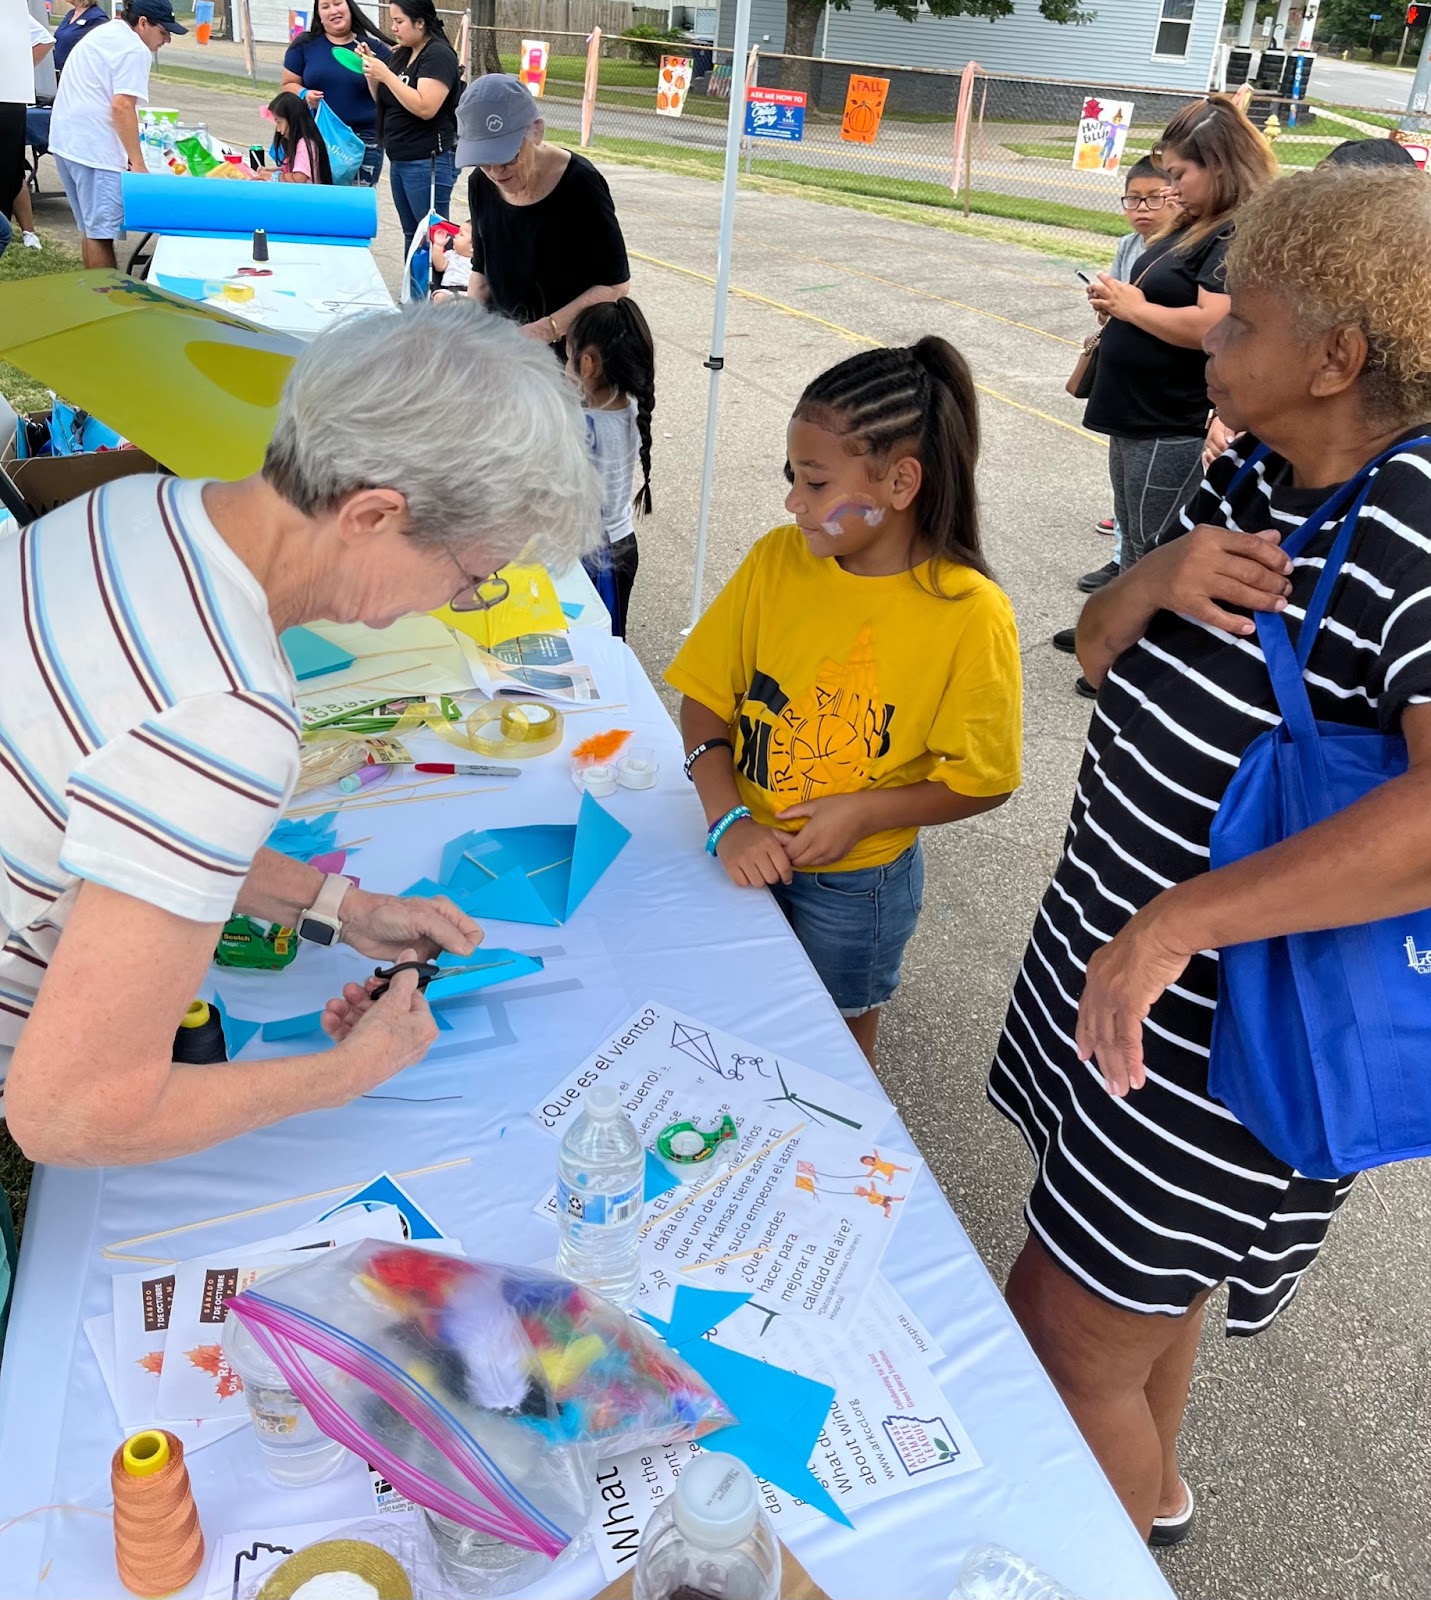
x=612 y=358
x=858 y=678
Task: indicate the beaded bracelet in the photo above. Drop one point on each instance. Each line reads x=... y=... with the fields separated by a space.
x=723 y=825
x=706 y=744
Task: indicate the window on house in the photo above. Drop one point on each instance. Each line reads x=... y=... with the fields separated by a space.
x=1174 y=28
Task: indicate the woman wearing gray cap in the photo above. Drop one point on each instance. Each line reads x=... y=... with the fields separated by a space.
x=545 y=240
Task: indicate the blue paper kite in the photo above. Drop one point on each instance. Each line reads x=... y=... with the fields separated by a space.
x=539 y=874
x=783 y=1413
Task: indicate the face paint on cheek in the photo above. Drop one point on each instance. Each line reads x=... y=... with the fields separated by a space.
x=872 y=515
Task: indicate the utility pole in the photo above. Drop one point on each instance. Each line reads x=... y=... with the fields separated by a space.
x=1421 y=83
x=1249 y=16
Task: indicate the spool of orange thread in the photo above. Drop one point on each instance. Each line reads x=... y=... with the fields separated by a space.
x=158 y=1543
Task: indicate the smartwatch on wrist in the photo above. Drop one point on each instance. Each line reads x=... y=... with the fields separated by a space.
x=320 y=923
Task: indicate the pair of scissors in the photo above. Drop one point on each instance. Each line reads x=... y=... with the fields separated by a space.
x=426 y=971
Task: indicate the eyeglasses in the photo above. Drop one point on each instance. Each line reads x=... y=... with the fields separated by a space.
x=477 y=594
x=1143 y=202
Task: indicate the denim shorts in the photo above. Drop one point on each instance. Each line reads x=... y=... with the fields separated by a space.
x=854 y=926
x=95 y=197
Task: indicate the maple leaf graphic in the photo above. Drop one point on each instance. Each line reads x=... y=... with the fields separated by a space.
x=1092 y=108
x=153 y=1362
x=210 y=1358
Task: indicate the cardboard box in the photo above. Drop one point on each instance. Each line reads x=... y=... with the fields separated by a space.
x=49 y=481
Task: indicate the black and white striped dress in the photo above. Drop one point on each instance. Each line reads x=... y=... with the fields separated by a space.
x=1150 y=1199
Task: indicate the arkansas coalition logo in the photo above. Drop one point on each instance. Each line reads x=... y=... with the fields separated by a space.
x=921 y=1443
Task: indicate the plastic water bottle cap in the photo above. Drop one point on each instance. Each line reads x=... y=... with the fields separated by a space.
x=603 y=1101
x=717 y=1501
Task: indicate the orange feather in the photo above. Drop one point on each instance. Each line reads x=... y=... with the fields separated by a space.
x=601 y=748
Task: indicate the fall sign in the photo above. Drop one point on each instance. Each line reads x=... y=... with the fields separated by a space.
x=533 y=66
x=673 y=85
x=864 y=107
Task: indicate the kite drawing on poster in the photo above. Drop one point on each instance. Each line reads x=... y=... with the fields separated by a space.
x=864 y=107
x=1102 y=133
x=673 y=85
x=533 y=72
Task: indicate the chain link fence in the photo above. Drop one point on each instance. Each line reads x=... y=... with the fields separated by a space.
x=1011 y=157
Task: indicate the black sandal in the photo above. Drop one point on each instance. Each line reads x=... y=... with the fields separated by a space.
x=1173 y=1530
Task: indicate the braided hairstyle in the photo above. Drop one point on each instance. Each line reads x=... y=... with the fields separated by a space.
x=918 y=400
x=616 y=333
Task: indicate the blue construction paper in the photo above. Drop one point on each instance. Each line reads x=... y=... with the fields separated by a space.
x=537 y=874
x=311 y=655
x=237 y=1030
x=190 y=288
x=443 y=1025
x=659 y=1180
x=323 y=212
x=572 y=608
x=306 y=838
x=784 y=1413
x=383 y=1191
x=294 y=1027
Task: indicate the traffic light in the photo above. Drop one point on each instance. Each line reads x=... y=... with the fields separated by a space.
x=1415 y=14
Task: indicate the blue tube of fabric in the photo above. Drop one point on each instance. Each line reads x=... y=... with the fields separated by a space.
x=154 y=203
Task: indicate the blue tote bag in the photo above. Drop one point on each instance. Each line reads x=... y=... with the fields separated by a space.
x=345 y=149
x=1321 y=1042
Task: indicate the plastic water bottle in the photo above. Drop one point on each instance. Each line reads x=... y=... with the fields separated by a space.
x=993 y=1573
x=710 y=1538
x=601 y=1179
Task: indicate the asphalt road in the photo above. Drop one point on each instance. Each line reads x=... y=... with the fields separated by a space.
x=1309 y=1446
x=1356 y=83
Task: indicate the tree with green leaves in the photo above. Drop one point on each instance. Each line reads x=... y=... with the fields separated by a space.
x=802 y=16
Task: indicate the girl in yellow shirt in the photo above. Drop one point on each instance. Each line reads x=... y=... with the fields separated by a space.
x=858 y=678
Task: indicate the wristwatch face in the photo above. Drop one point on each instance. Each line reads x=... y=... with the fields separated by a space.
x=317 y=931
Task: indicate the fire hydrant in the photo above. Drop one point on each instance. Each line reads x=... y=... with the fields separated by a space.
x=1271 y=128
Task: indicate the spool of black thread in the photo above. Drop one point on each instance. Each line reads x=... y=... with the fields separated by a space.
x=260 y=245
x=199 y=1041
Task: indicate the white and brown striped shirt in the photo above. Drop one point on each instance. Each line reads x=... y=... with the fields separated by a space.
x=148 y=737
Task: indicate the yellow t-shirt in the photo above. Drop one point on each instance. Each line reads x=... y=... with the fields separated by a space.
x=834 y=683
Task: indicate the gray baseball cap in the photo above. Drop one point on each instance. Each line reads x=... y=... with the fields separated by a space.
x=493 y=116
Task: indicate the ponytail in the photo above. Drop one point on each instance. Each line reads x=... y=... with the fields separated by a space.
x=617 y=333
x=947 y=508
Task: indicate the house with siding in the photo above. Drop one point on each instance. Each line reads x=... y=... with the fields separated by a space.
x=1171 y=45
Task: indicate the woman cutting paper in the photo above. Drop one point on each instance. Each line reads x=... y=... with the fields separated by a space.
x=1150 y=1193
x=149 y=738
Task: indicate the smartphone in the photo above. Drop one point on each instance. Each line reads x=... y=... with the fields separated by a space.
x=1078 y=272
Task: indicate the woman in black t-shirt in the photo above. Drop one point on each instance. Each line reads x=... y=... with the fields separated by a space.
x=545 y=240
x=416 y=90
x=1149 y=394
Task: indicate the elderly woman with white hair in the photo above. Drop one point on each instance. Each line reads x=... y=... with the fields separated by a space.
x=149 y=739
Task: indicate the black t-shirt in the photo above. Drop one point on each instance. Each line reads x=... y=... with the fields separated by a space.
x=1142 y=385
x=540 y=257
x=404 y=135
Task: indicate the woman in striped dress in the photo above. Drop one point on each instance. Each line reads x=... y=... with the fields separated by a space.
x=1149 y=1193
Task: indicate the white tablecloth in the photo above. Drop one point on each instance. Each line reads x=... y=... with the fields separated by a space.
x=311 y=285
x=663 y=923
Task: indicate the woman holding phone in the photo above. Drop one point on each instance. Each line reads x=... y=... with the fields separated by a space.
x=1149 y=393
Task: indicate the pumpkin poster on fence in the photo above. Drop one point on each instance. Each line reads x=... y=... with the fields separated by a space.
x=864 y=107
x=673 y=85
x=533 y=72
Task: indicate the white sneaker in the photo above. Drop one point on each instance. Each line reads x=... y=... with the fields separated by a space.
x=31 y=241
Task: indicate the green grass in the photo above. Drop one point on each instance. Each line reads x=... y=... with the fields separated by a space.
x=858 y=186
x=19 y=388
x=1375 y=119
x=1288 y=155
